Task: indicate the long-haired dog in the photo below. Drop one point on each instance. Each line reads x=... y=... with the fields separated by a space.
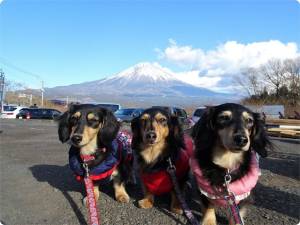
x=227 y=138
x=158 y=136
x=92 y=132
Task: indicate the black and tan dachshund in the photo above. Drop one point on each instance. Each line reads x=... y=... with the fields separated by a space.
x=93 y=131
x=158 y=136
x=227 y=138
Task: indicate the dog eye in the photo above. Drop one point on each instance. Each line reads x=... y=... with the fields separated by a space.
x=73 y=120
x=162 y=120
x=249 y=121
x=224 y=118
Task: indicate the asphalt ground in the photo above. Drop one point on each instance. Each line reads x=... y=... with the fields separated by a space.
x=37 y=186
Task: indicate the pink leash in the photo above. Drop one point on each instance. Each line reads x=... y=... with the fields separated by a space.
x=91 y=201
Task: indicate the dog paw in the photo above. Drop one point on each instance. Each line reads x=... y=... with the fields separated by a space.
x=123 y=198
x=177 y=210
x=209 y=222
x=145 y=203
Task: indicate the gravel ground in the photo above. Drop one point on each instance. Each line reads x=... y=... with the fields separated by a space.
x=37 y=186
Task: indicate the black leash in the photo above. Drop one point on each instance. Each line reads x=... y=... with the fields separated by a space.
x=188 y=213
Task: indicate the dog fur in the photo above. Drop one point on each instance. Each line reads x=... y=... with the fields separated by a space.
x=223 y=138
x=87 y=128
x=156 y=137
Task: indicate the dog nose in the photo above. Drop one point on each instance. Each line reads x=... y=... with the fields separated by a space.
x=240 y=140
x=76 y=139
x=151 y=136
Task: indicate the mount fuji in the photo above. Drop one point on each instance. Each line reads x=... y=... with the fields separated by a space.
x=144 y=83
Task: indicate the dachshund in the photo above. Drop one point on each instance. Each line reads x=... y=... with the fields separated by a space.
x=158 y=137
x=228 y=139
x=93 y=133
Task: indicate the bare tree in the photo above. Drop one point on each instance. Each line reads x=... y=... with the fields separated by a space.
x=274 y=73
x=250 y=81
x=292 y=71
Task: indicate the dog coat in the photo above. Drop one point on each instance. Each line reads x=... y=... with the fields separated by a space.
x=240 y=188
x=159 y=182
x=121 y=150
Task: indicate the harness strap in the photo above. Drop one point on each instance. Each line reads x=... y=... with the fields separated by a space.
x=188 y=213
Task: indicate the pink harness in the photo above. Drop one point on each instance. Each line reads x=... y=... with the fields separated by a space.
x=240 y=188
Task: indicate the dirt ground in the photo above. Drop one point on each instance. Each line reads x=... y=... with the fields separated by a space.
x=37 y=186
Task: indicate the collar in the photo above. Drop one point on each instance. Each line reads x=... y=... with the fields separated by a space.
x=94 y=159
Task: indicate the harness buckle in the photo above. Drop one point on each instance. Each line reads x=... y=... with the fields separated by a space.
x=86 y=169
x=171 y=166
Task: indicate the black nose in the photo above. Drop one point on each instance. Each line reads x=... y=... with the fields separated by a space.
x=240 y=140
x=76 y=139
x=151 y=136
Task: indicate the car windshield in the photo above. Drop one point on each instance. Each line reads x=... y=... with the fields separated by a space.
x=9 y=108
x=199 y=112
x=125 y=112
x=112 y=107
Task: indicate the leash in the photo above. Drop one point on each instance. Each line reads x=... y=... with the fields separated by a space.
x=230 y=199
x=91 y=201
x=188 y=213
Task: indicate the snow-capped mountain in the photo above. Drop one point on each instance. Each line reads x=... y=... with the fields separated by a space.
x=141 y=82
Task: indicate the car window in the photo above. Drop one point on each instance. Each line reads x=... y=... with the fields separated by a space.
x=126 y=112
x=199 y=112
x=9 y=108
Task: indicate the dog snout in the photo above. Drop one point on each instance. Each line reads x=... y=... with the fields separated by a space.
x=151 y=136
x=240 y=140
x=76 y=139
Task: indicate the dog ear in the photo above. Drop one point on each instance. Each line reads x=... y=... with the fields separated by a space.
x=109 y=128
x=259 y=138
x=176 y=137
x=136 y=136
x=64 y=128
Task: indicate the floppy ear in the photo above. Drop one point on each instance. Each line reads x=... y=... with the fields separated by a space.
x=259 y=138
x=109 y=128
x=64 y=128
x=176 y=133
x=136 y=136
x=203 y=132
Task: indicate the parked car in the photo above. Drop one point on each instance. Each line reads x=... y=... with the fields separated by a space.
x=198 y=113
x=179 y=112
x=126 y=115
x=111 y=106
x=10 y=111
x=38 y=113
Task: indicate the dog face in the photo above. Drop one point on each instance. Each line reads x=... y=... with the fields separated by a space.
x=86 y=124
x=236 y=128
x=156 y=126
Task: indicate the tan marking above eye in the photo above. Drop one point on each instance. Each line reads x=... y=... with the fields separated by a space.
x=77 y=114
x=145 y=117
x=92 y=116
x=225 y=113
x=246 y=115
x=159 y=117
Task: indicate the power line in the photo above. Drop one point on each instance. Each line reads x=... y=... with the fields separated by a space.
x=17 y=68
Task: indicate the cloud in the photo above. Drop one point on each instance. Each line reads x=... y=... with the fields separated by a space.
x=209 y=68
x=298 y=1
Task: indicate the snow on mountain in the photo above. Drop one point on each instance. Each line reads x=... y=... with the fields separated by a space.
x=141 y=81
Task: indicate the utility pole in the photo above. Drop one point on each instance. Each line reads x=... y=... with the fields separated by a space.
x=2 y=89
x=42 y=90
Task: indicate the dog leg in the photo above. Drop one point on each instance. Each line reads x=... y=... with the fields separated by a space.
x=120 y=191
x=175 y=205
x=96 y=194
x=147 y=202
x=209 y=216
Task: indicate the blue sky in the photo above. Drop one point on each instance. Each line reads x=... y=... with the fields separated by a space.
x=66 y=42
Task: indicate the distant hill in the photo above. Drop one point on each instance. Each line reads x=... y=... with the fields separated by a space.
x=143 y=84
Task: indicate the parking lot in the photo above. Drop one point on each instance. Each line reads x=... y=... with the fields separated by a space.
x=37 y=186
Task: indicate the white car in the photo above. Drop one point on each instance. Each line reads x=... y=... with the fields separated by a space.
x=198 y=113
x=10 y=111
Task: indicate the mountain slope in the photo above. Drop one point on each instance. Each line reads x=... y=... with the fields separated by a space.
x=142 y=82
